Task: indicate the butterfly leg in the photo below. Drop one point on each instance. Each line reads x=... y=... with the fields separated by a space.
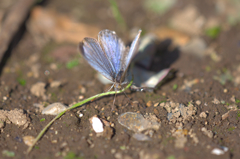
x=116 y=87
x=110 y=88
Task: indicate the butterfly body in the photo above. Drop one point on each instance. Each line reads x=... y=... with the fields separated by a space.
x=109 y=56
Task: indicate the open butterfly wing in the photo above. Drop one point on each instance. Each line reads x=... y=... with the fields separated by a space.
x=129 y=54
x=93 y=53
x=113 y=47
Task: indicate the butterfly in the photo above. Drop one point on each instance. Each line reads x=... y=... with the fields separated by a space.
x=109 y=56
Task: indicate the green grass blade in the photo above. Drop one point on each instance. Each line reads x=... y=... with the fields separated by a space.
x=72 y=107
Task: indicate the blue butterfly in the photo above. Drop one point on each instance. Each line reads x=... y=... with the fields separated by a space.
x=109 y=56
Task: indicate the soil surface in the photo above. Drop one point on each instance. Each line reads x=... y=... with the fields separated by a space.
x=202 y=49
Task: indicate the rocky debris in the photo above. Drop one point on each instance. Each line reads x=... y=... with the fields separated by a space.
x=28 y=140
x=180 y=135
x=198 y=102
x=215 y=101
x=149 y=103
x=39 y=106
x=141 y=137
x=226 y=115
x=156 y=104
x=203 y=115
x=206 y=132
x=145 y=154
x=55 y=84
x=39 y=90
x=32 y=62
x=179 y=112
x=231 y=107
x=15 y=116
x=193 y=136
x=188 y=84
x=137 y=122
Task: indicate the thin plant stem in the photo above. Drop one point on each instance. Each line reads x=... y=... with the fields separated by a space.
x=72 y=107
x=117 y=15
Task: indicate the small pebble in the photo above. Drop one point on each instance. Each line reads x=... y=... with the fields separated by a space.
x=54 y=109
x=18 y=117
x=149 y=103
x=83 y=90
x=217 y=151
x=28 y=140
x=226 y=115
x=80 y=97
x=64 y=144
x=113 y=151
x=233 y=99
x=198 y=102
x=97 y=124
x=156 y=112
x=135 y=102
x=141 y=137
x=225 y=90
x=156 y=104
x=203 y=115
x=38 y=89
x=137 y=122
x=4 y=98
x=206 y=132
x=53 y=66
x=162 y=104
x=55 y=84
x=216 y=101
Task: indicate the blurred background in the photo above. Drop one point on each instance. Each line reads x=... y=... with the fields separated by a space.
x=195 y=42
x=184 y=26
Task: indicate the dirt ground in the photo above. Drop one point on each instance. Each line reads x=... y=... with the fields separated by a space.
x=198 y=40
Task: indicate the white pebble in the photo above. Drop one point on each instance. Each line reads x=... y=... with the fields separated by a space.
x=54 y=109
x=4 y=98
x=217 y=151
x=96 y=124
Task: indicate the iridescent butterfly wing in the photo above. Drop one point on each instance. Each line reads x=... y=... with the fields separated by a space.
x=108 y=55
x=94 y=55
x=117 y=53
x=127 y=57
